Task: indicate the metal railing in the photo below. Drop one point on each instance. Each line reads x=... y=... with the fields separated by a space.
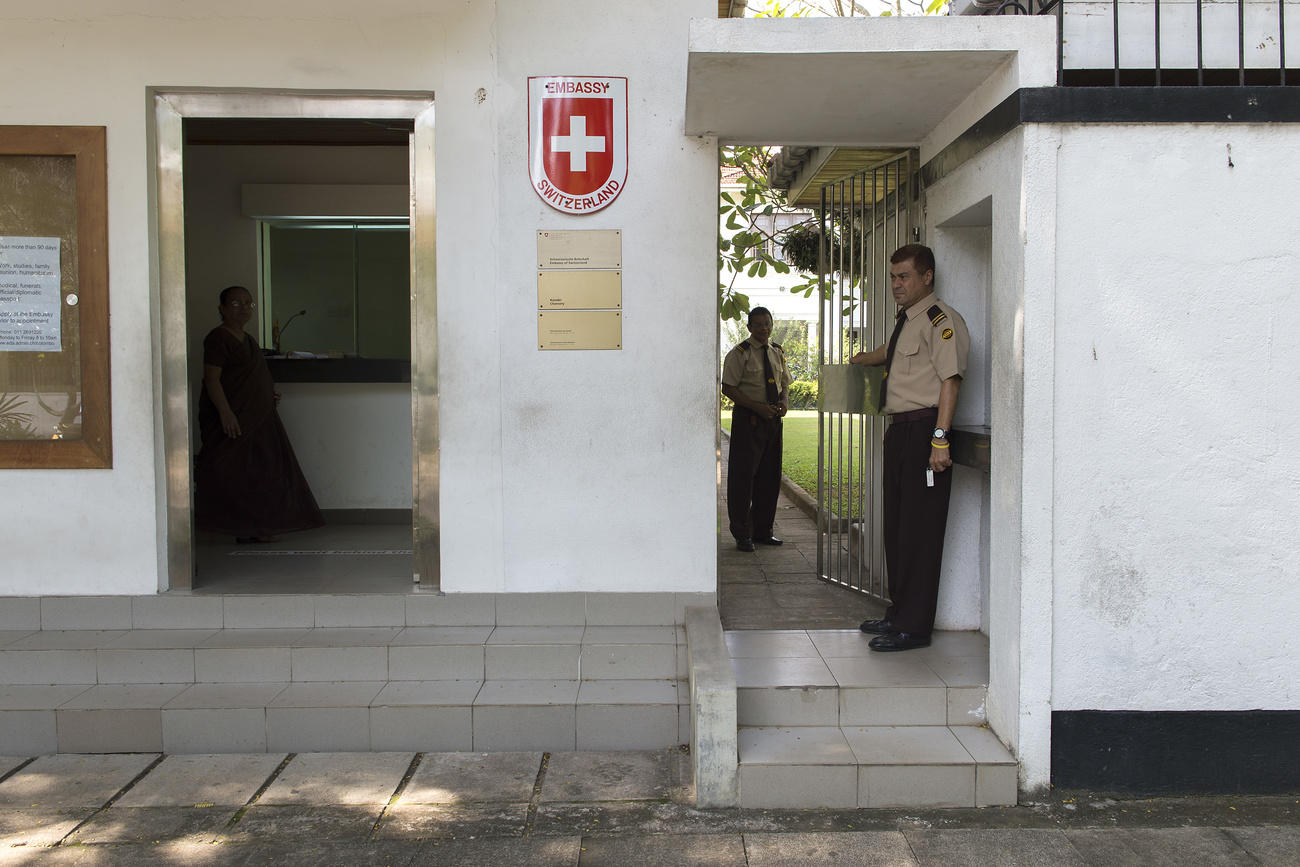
x=863 y=219
x=1148 y=32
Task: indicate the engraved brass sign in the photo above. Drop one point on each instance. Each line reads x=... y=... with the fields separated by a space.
x=581 y=290
x=580 y=329
x=580 y=248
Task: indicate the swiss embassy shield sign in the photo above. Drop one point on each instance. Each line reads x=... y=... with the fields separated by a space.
x=577 y=140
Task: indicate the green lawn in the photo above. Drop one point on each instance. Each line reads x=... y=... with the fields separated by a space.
x=799 y=453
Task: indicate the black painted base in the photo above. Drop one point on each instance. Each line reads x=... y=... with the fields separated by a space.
x=1177 y=752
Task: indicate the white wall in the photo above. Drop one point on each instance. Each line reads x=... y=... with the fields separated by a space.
x=1011 y=187
x=1177 y=478
x=608 y=454
x=350 y=441
x=558 y=470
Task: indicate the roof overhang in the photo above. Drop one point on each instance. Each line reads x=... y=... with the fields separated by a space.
x=880 y=82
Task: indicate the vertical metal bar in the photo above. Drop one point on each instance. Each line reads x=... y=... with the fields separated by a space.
x=840 y=526
x=1281 y=41
x=821 y=360
x=1157 y=4
x=864 y=469
x=1114 y=6
x=1241 y=42
x=1060 y=43
x=169 y=140
x=848 y=224
x=1200 y=44
x=426 y=514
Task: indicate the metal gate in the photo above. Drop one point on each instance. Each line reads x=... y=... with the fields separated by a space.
x=864 y=217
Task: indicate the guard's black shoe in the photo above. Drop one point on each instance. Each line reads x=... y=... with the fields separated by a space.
x=877 y=627
x=898 y=641
x=768 y=540
x=745 y=545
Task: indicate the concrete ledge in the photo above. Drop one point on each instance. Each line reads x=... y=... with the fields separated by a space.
x=713 y=710
x=182 y=610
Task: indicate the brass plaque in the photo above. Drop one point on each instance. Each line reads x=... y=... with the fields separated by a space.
x=849 y=388
x=580 y=329
x=580 y=248
x=581 y=290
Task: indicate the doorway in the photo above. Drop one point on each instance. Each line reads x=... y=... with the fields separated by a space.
x=271 y=174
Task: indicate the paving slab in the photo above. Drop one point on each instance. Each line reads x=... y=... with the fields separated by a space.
x=298 y=824
x=1159 y=847
x=609 y=776
x=322 y=779
x=8 y=763
x=713 y=850
x=202 y=781
x=452 y=821
x=493 y=852
x=456 y=778
x=199 y=825
x=1012 y=847
x=69 y=780
x=314 y=853
x=160 y=854
x=831 y=848
x=38 y=827
x=1279 y=847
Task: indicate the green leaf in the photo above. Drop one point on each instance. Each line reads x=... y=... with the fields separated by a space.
x=753 y=269
x=724 y=244
x=732 y=222
x=727 y=197
x=762 y=269
x=781 y=267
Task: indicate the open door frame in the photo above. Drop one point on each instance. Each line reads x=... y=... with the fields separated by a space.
x=171 y=377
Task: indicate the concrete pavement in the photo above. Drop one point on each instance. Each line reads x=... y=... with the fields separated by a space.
x=588 y=808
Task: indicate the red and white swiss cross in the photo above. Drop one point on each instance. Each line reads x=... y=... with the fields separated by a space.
x=577 y=140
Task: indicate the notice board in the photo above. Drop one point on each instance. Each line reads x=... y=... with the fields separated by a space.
x=55 y=407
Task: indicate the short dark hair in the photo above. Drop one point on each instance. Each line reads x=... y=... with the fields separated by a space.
x=757 y=311
x=225 y=293
x=920 y=255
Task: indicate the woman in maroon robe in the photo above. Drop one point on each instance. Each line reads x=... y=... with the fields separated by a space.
x=247 y=481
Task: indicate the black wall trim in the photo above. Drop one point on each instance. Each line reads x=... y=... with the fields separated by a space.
x=1177 y=752
x=1259 y=104
x=1001 y=120
x=1250 y=104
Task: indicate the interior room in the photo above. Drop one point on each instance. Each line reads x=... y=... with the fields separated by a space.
x=312 y=217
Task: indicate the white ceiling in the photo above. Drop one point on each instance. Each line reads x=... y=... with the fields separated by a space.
x=840 y=81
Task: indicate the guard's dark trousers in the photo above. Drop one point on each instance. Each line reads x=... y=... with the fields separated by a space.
x=915 y=517
x=753 y=474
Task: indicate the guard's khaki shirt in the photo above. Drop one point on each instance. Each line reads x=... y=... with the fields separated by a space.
x=932 y=347
x=743 y=369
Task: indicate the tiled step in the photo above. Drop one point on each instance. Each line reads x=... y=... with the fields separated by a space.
x=825 y=722
x=874 y=766
x=830 y=678
x=421 y=688
x=342 y=654
x=441 y=715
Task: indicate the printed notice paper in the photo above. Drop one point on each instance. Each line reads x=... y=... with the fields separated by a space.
x=29 y=295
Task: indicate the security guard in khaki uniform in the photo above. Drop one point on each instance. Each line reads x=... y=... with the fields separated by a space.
x=924 y=360
x=756 y=378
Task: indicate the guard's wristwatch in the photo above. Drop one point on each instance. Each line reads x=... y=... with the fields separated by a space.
x=940 y=433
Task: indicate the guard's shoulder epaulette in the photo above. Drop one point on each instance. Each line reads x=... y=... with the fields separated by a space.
x=936 y=314
x=743 y=346
x=777 y=345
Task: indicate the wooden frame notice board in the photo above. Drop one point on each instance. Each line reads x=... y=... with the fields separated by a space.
x=55 y=403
